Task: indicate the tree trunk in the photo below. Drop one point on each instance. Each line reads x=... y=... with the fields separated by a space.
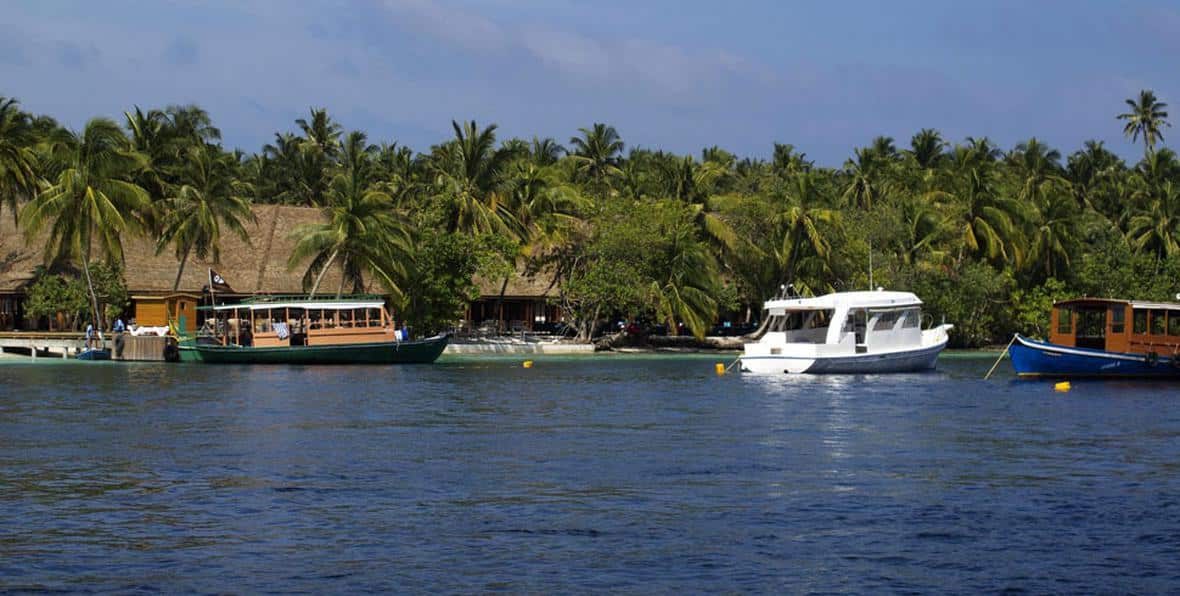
x=180 y=272
x=319 y=278
x=93 y=297
x=500 y=303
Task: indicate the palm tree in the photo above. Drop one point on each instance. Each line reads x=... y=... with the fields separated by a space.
x=800 y=227
x=546 y=151
x=321 y=131
x=1056 y=233
x=469 y=179
x=693 y=183
x=1155 y=228
x=297 y=170
x=926 y=148
x=1147 y=117
x=865 y=184
x=362 y=230
x=1038 y=170
x=788 y=162
x=988 y=223
x=597 y=151
x=91 y=200
x=926 y=229
x=191 y=125
x=18 y=179
x=209 y=198
x=686 y=285
x=1092 y=172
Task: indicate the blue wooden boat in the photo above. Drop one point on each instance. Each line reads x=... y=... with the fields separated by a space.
x=95 y=354
x=1092 y=337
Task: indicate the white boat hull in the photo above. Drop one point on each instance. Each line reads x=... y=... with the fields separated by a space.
x=887 y=362
x=906 y=361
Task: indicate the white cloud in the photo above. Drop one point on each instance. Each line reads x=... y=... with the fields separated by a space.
x=462 y=28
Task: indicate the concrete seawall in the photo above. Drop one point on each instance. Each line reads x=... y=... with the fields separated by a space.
x=497 y=347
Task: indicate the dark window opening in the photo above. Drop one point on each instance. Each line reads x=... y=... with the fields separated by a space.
x=1064 y=321
x=1139 y=321
x=1118 y=315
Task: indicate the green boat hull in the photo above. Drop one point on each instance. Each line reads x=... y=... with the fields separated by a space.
x=422 y=351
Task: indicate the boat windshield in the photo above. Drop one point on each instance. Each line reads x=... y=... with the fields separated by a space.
x=799 y=320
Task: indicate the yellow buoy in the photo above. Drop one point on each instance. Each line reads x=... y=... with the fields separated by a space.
x=528 y=363
x=720 y=368
x=1062 y=386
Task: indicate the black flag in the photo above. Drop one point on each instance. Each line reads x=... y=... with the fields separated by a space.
x=217 y=283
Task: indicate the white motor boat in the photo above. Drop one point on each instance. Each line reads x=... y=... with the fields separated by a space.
x=845 y=332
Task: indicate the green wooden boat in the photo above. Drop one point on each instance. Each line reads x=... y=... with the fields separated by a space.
x=299 y=330
x=422 y=351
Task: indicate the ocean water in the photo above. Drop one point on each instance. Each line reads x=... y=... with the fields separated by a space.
x=599 y=474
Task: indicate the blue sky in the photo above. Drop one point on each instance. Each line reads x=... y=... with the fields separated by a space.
x=676 y=75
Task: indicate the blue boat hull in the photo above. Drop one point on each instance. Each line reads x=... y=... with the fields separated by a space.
x=1031 y=358
x=95 y=354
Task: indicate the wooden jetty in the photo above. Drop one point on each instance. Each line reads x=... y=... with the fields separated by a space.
x=44 y=344
x=41 y=344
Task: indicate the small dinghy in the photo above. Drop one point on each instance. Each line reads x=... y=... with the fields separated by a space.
x=95 y=354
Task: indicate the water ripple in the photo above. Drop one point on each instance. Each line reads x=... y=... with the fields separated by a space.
x=604 y=474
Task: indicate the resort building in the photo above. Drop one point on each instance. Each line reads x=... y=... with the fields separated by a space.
x=257 y=267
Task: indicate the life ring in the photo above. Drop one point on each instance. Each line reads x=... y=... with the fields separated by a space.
x=1151 y=359
x=120 y=342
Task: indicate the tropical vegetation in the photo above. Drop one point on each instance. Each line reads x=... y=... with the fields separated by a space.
x=986 y=235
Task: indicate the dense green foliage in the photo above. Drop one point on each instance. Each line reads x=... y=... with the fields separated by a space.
x=63 y=299
x=988 y=237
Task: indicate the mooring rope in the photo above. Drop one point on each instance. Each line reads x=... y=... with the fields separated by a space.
x=1002 y=354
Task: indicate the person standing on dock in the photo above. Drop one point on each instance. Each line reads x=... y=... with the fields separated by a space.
x=119 y=327
x=89 y=335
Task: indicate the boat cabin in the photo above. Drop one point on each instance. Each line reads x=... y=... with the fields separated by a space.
x=275 y=322
x=1127 y=326
x=858 y=321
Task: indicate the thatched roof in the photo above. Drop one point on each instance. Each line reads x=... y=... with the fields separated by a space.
x=520 y=286
x=256 y=266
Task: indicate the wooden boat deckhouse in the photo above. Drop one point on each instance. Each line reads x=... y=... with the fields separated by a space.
x=302 y=330
x=1098 y=337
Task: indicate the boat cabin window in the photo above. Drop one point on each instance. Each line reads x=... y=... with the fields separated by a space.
x=885 y=320
x=1117 y=316
x=1158 y=319
x=797 y=320
x=1173 y=323
x=373 y=317
x=1139 y=321
x=1064 y=320
x=912 y=318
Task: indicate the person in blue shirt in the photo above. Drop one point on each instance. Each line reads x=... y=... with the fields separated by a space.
x=119 y=328
x=89 y=335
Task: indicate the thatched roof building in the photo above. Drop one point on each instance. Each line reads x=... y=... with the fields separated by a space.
x=255 y=266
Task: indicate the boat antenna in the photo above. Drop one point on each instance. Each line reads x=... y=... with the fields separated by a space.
x=870 y=265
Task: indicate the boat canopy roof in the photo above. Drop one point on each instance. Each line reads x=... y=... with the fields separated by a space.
x=878 y=299
x=307 y=304
x=1108 y=301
